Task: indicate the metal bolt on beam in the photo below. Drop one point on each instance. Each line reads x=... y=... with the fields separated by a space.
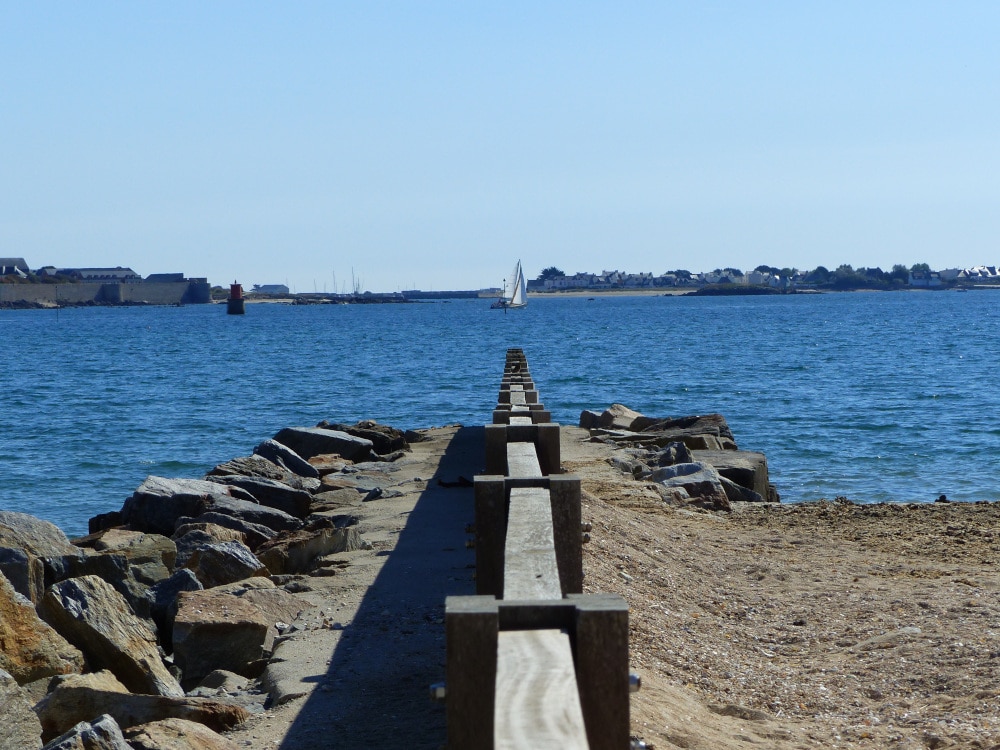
x=438 y=691
x=634 y=682
x=585 y=538
x=586 y=526
x=470 y=543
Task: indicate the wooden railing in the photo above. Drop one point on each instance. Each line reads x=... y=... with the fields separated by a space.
x=532 y=662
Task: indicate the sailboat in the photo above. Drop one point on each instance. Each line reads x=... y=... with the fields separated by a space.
x=513 y=295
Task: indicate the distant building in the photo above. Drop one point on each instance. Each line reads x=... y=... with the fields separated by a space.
x=117 y=273
x=14 y=267
x=270 y=289
x=165 y=278
x=925 y=278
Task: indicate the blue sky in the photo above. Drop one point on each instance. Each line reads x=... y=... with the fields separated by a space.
x=430 y=144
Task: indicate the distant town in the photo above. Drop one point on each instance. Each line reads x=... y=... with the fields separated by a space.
x=49 y=286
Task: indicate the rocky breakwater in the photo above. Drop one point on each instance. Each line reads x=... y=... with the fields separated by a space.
x=689 y=460
x=150 y=631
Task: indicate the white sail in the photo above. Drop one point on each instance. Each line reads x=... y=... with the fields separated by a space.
x=514 y=294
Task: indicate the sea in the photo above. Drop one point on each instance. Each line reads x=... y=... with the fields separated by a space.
x=871 y=396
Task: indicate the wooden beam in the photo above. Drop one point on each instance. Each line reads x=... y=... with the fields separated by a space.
x=537 y=702
x=522 y=460
x=530 y=568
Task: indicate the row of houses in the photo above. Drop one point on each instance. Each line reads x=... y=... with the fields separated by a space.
x=18 y=267
x=622 y=280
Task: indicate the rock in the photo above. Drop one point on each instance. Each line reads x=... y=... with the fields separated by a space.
x=158 y=502
x=19 y=725
x=253 y=512
x=176 y=734
x=272 y=493
x=216 y=563
x=29 y=648
x=295 y=552
x=312 y=441
x=33 y=535
x=163 y=603
x=103 y=521
x=589 y=419
x=328 y=463
x=739 y=494
x=253 y=534
x=745 y=468
x=190 y=535
x=285 y=457
x=336 y=499
x=618 y=417
x=699 y=480
x=151 y=557
x=702 y=424
x=216 y=630
x=384 y=439
x=101 y=734
x=79 y=698
x=112 y=568
x=95 y=618
x=276 y=604
x=24 y=540
x=674 y=453
x=25 y=572
x=223 y=679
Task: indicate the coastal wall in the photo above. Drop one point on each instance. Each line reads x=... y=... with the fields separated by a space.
x=151 y=293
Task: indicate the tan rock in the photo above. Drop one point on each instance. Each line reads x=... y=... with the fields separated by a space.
x=29 y=648
x=79 y=698
x=177 y=734
x=216 y=630
x=95 y=618
x=19 y=726
x=618 y=417
x=295 y=552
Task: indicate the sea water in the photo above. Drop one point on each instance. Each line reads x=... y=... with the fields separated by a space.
x=872 y=396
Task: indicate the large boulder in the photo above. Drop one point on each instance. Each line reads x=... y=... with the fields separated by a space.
x=271 y=492
x=163 y=602
x=19 y=725
x=700 y=481
x=285 y=457
x=618 y=417
x=151 y=557
x=29 y=648
x=158 y=502
x=295 y=552
x=216 y=630
x=77 y=698
x=251 y=534
x=746 y=468
x=216 y=563
x=265 y=467
x=103 y=733
x=313 y=441
x=384 y=439
x=253 y=512
x=95 y=618
x=110 y=567
x=176 y=734
x=24 y=541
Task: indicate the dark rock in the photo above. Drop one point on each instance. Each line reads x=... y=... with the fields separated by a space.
x=270 y=492
x=158 y=502
x=745 y=468
x=699 y=480
x=674 y=453
x=252 y=512
x=25 y=572
x=589 y=419
x=103 y=521
x=163 y=602
x=738 y=493
x=284 y=456
x=112 y=568
x=217 y=563
x=103 y=733
x=24 y=540
x=295 y=552
x=313 y=441
x=384 y=439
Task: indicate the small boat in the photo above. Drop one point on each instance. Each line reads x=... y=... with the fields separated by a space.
x=513 y=295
